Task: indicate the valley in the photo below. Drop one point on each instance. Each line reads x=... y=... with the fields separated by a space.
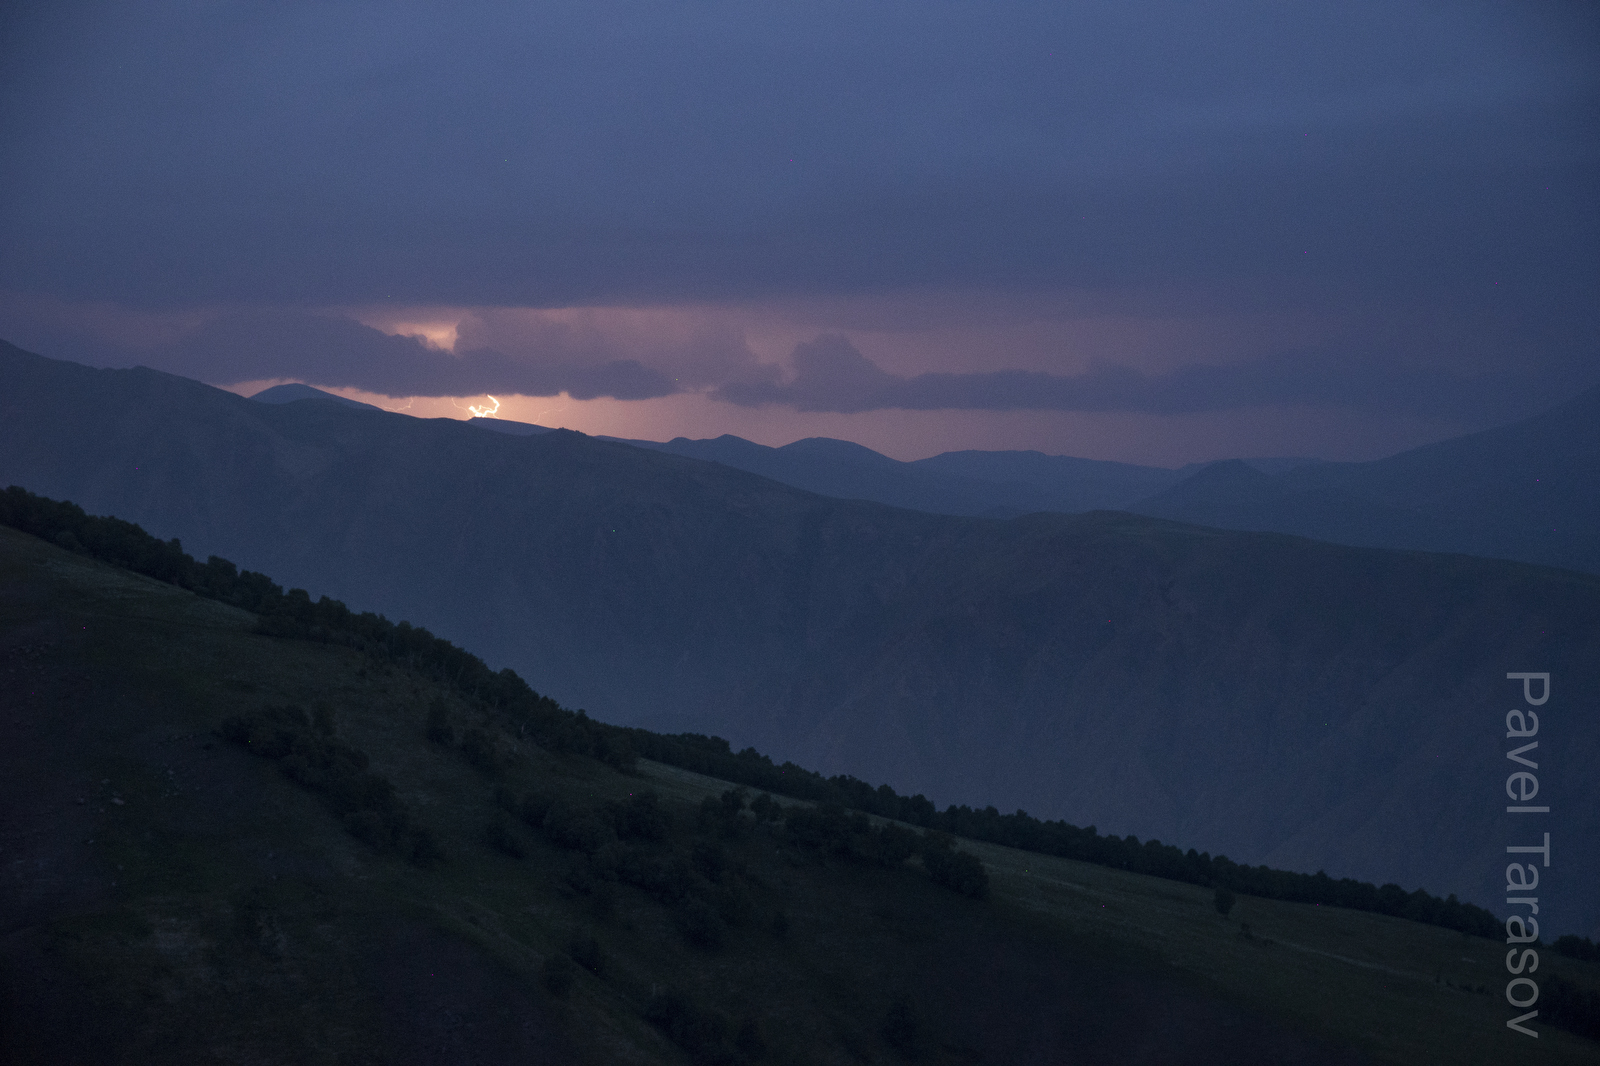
x=199 y=904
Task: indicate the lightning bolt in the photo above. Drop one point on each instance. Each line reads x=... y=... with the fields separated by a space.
x=477 y=410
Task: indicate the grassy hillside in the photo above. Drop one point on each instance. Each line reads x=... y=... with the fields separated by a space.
x=1273 y=699
x=170 y=895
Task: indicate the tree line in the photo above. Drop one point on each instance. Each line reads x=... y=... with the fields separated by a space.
x=294 y=614
x=714 y=757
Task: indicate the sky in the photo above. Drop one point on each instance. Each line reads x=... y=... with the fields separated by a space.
x=1159 y=232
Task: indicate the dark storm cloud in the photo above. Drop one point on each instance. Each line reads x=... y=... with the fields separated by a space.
x=1425 y=161
x=831 y=375
x=560 y=154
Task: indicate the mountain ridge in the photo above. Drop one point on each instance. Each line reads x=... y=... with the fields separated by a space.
x=1523 y=491
x=970 y=659
x=1473 y=494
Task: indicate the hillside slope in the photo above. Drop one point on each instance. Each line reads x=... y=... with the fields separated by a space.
x=1279 y=700
x=168 y=895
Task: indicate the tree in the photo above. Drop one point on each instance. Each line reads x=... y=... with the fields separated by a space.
x=957 y=870
x=1223 y=900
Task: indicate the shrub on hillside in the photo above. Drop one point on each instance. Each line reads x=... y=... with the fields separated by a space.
x=893 y=844
x=667 y=876
x=829 y=828
x=576 y=828
x=364 y=801
x=1223 y=899
x=766 y=809
x=721 y=815
x=640 y=817
x=957 y=870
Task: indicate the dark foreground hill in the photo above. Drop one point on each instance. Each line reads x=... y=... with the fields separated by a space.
x=1279 y=700
x=223 y=846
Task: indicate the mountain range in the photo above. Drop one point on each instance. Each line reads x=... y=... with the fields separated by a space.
x=1280 y=699
x=1525 y=491
x=973 y=483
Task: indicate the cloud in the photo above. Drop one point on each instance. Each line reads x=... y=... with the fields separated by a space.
x=1424 y=173
x=688 y=348
x=338 y=351
x=831 y=375
x=587 y=353
x=522 y=154
x=648 y=353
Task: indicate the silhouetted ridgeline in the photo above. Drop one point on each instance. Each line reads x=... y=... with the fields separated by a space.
x=295 y=614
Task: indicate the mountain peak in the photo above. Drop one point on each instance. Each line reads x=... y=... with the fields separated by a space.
x=1229 y=471
x=835 y=447
x=294 y=392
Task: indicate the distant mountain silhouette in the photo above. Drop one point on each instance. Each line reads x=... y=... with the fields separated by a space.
x=984 y=484
x=1234 y=495
x=1058 y=482
x=1528 y=491
x=850 y=471
x=1278 y=699
x=294 y=392
x=1521 y=492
